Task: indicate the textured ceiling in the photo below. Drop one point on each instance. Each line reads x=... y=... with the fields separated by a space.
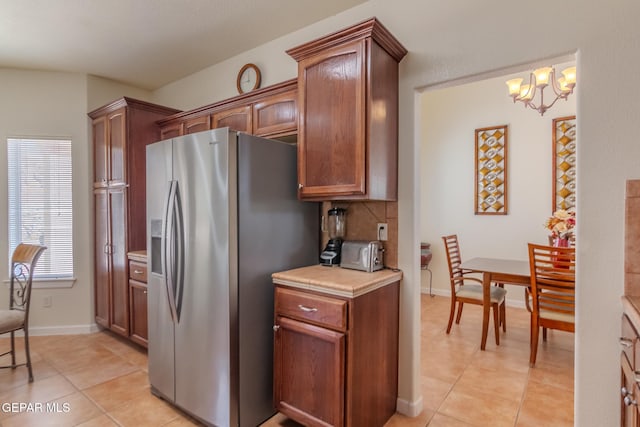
x=146 y=43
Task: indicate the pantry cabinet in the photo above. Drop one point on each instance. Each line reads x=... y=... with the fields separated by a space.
x=348 y=114
x=121 y=131
x=336 y=346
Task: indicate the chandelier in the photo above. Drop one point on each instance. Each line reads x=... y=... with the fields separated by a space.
x=538 y=82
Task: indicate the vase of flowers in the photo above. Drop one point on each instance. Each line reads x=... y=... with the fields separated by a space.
x=561 y=224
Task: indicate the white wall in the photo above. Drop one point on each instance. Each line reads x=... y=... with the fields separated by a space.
x=448 y=119
x=50 y=104
x=47 y=104
x=451 y=40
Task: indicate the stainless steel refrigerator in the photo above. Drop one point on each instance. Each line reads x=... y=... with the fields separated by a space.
x=222 y=215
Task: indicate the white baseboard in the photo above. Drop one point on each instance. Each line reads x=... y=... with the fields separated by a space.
x=410 y=409
x=61 y=330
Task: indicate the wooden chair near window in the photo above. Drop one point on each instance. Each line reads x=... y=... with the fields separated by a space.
x=468 y=289
x=552 y=292
x=23 y=263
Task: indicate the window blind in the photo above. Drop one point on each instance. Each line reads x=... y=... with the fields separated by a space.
x=40 y=202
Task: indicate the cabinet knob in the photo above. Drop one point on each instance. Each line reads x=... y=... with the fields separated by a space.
x=145 y=292
x=300 y=186
x=629 y=400
x=275 y=328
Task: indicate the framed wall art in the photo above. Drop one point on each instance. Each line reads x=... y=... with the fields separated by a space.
x=564 y=163
x=490 y=195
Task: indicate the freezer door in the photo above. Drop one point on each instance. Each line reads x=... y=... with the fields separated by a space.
x=203 y=331
x=161 y=330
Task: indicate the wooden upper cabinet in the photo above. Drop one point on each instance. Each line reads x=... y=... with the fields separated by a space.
x=238 y=119
x=171 y=130
x=196 y=124
x=270 y=112
x=348 y=114
x=276 y=115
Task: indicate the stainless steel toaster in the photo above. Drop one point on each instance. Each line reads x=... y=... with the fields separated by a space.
x=365 y=255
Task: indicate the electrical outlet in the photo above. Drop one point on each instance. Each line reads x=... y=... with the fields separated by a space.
x=47 y=301
x=383 y=235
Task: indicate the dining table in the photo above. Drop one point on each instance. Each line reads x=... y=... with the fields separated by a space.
x=496 y=270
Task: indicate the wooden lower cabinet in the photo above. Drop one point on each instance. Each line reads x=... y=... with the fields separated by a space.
x=336 y=359
x=629 y=396
x=138 y=298
x=629 y=365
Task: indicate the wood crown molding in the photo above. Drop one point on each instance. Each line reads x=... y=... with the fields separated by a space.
x=131 y=102
x=372 y=28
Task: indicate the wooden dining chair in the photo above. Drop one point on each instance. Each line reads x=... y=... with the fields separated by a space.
x=552 y=292
x=23 y=263
x=468 y=289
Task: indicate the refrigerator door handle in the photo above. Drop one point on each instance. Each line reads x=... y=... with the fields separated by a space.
x=168 y=252
x=179 y=247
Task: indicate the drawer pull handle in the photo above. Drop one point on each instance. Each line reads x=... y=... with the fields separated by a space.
x=626 y=342
x=629 y=400
x=138 y=271
x=307 y=309
x=145 y=292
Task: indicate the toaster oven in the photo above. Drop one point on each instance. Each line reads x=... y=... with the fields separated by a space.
x=362 y=255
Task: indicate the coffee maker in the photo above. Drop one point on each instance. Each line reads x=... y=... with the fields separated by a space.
x=336 y=228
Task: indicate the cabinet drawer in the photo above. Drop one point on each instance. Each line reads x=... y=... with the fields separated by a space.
x=138 y=271
x=629 y=341
x=317 y=309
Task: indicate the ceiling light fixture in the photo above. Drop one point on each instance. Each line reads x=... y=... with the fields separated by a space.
x=538 y=80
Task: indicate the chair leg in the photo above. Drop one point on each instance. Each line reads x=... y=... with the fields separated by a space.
x=28 y=354
x=451 y=314
x=534 y=341
x=496 y=322
x=460 y=304
x=544 y=334
x=503 y=315
x=527 y=294
x=13 y=350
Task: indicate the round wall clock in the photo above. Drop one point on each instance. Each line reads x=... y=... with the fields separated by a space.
x=248 y=78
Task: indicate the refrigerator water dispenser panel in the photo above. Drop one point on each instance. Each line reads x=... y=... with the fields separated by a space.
x=156 y=246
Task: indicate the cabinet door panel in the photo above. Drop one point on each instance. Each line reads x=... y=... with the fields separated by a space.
x=238 y=119
x=119 y=263
x=331 y=141
x=197 y=124
x=102 y=258
x=276 y=115
x=309 y=373
x=171 y=131
x=100 y=153
x=117 y=128
x=138 y=309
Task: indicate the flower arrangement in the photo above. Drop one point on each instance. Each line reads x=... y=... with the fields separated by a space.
x=561 y=224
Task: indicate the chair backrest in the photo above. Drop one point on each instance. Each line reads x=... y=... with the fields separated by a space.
x=23 y=263
x=553 y=283
x=454 y=258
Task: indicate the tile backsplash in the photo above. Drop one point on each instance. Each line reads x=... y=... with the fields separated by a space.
x=362 y=221
x=631 y=239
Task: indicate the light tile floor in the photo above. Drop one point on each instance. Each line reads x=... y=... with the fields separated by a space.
x=101 y=380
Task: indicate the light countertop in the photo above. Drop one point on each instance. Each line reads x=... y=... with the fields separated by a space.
x=140 y=256
x=335 y=280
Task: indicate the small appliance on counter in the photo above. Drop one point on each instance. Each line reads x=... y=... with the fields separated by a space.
x=362 y=255
x=336 y=229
